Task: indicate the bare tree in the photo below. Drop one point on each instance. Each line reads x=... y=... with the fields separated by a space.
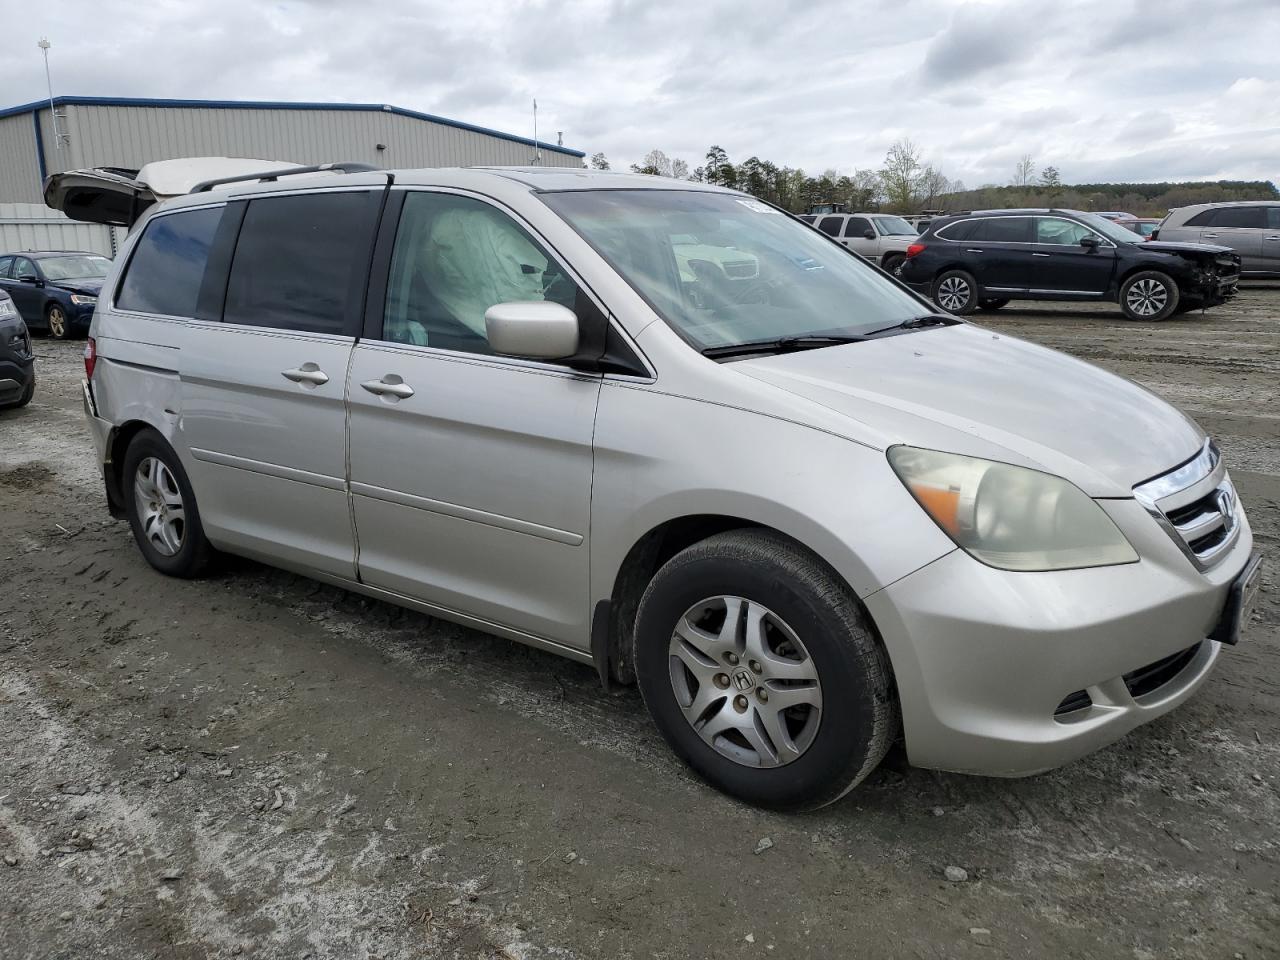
x=599 y=161
x=679 y=169
x=655 y=163
x=901 y=176
x=933 y=184
x=1025 y=172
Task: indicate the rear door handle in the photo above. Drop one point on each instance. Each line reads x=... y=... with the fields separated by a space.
x=971 y=250
x=1277 y=237
x=1040 y=254
x=389 y=386
x=1210 y=236
x=308 y=373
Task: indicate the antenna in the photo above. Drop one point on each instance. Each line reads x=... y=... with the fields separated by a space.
x=44 y=45
x=537 y=150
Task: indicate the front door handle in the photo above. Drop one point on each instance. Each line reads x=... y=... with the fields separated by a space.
x=1210 y=236
x=389 y=386
x=308 y=374
x=972 y=250
x=1040 y=254
x=1277 y=237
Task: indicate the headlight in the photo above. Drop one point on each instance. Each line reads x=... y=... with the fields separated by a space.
x=81 y=300
x=1011 y=517
x=7 y=309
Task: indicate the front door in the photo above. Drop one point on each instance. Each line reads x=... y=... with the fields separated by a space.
x=470 y=473
x=856 y=239
x=1061 y=265
x=263 y=389
x=26 y=288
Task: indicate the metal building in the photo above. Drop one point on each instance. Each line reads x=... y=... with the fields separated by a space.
x=119 y=132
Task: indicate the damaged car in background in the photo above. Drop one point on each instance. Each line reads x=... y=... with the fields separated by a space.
x=984 y=259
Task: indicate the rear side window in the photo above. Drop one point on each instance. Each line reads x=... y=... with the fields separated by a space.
x=1003 y=230
x=956 y=231
x=856 y=226
x=5 y=263
x=1246 y=217
x=831 y=226
x=301 y=262
x=1202 y=219
x=168 y=263
x=1273 y=220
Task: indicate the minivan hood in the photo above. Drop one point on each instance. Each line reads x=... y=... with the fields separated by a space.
x=968 y=390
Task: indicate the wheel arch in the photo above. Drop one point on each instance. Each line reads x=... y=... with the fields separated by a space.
x=118 y=441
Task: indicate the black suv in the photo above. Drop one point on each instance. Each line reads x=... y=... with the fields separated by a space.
x=17 y=365
x=984 y=259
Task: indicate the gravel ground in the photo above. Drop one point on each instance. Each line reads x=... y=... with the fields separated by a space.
x=258 y=765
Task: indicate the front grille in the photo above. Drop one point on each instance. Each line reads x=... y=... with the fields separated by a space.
x=742 y=269
x=1153 y=676
x=1196 y=505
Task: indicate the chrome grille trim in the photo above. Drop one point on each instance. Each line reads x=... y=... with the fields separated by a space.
x=1196 y=505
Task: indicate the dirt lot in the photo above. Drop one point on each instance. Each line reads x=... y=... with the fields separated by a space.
x=258 y=765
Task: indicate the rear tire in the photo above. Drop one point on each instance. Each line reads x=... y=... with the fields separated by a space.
x=162 y=509
x=892 y=264
x=792 y=702
x=56 y=322
x=1149 y=296
x=993 y=303
x=956 y=292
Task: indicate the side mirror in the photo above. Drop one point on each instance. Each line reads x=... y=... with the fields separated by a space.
x=32 y=279
x=1089 y=243
x=536 y=329
x=869 y=234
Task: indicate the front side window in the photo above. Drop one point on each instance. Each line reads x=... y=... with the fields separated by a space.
x=1066 y=233
x=1242 y=217
x=74 y=268
x=167 y=265
x=895 y=227
x=857 y=227
x=301 y=262
x=456 y=257
x=23 y=267
x=831 y=226
x=756 y=274
x=1273 y=218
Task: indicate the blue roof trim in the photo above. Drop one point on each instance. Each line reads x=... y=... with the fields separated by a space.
x=282 y=105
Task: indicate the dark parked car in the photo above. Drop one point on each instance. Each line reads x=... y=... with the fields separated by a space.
x=17 y=364
x=1142 y=226
x=984 y=259
x=54 y=290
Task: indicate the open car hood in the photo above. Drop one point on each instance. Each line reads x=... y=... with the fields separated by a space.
x=119 y=196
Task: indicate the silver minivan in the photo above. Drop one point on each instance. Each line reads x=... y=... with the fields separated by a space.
x=1251 y=229
x=805 y=512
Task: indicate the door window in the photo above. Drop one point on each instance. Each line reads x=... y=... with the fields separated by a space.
x=1273 y=220
x=1003 y=230
x=1066 y=233
x=958 y=231
x=301 y=262
x=1204 y=218
x=831 y=226
x=1245 y=217
x=856 y=226
x=168 y=263
x=23 y=267
x=5 y=263
x=454 y=258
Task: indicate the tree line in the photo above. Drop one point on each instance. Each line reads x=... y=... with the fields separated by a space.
x=907 y=183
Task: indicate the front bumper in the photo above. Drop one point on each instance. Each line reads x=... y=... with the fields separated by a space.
x=984 y=658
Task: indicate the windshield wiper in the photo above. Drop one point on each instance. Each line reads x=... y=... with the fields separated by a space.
x=916 y=323
x=777 y=345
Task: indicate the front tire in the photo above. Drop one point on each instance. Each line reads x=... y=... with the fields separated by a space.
x=162 y=509
x=892 y=264
x=762 y=672
x=956 y=292
x=1149 y=296
x=56 y=322
x=993 y=303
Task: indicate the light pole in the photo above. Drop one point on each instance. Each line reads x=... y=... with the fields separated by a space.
x=44 y=45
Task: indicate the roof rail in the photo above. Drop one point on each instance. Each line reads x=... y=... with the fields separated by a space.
x=267 y=176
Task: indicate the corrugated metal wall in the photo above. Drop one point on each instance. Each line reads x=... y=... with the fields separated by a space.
x=129 y=136
x=19 y=169
x=33 y=226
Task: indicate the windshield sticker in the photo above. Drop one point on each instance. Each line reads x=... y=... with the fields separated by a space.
x=757 y=207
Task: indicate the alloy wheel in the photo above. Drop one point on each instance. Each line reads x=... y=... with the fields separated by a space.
x=745 y=682
x=160 y=509
x=57 y=322
x=953 y=293
x=1146 y=298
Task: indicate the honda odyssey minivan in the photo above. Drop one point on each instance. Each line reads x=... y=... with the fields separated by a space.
x=804 y=511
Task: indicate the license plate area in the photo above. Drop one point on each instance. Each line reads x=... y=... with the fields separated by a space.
x=1240 y=601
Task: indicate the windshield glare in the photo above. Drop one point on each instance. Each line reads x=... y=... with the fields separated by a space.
x=1109 y=228
x=74 y=268
x=895 y=227
x=723 y=269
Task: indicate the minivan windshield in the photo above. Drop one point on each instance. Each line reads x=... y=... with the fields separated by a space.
x=723 y=270
x=895 y=227
x=74 y=268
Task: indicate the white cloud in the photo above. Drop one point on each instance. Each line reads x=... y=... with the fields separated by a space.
x=1117 y=89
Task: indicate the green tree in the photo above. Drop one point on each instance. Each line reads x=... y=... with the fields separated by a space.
x=1049 y=177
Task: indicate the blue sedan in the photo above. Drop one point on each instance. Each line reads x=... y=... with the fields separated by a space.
x=55 y=290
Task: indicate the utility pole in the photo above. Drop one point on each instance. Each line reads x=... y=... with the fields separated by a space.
x=44 y=45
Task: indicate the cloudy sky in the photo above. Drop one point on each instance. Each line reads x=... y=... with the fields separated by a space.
x=1101 y=89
